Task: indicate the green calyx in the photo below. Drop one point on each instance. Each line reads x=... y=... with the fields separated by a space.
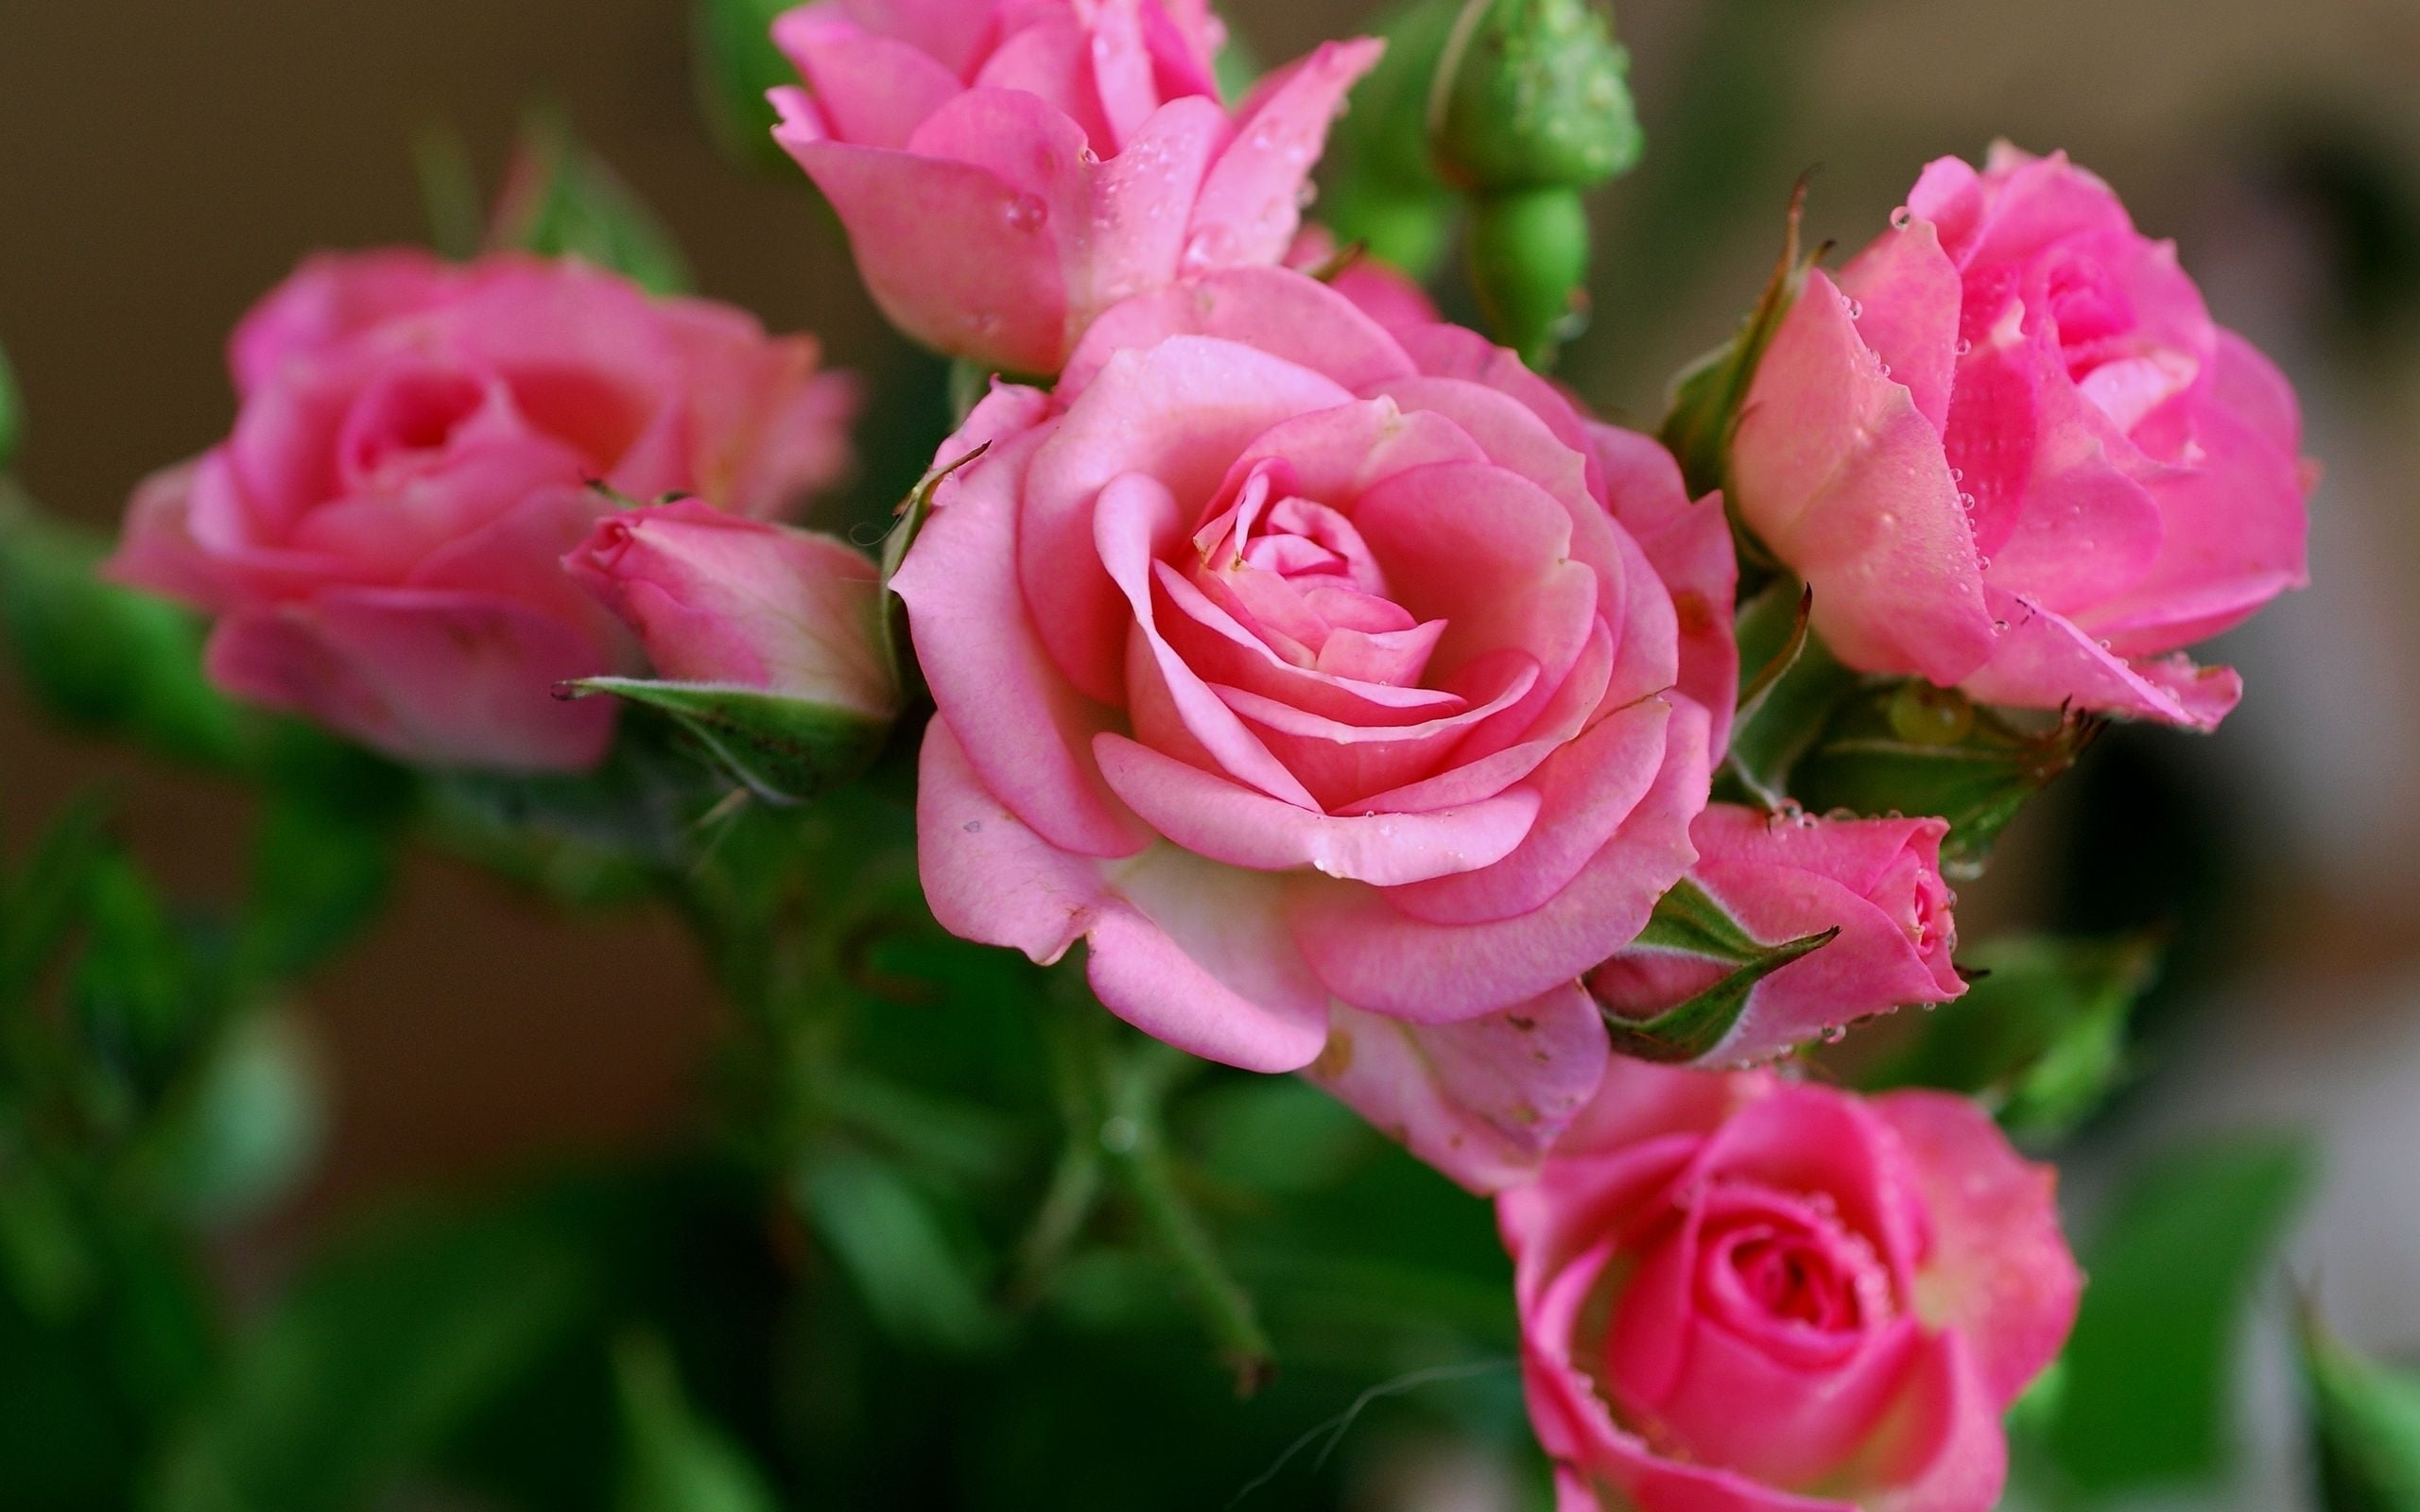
x=1530 y=95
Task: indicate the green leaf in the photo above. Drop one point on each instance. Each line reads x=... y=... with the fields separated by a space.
x=1704 y=408
x=733 y=63
x=1908 y=747
x=784 y=749
x=2366 y=1425
x=562 y=199
x=2149 y=1366
x=103 y=656
x=890 y=1241
x=372 y=1361
x=1689 y=920
x=672 y=1460
x=1689 y=1030
x=2040 y=1036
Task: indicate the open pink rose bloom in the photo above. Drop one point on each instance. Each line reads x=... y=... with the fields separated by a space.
x=1348 y=691
x=380 y=537
x=1007 y=169
x=2010 y=453
x=1743 y=1295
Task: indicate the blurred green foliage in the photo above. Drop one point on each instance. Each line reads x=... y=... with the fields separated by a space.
x=2365 y=1422
x=2146 y=1394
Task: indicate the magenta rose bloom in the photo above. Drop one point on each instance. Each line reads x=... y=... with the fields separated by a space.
x=1007 y=169
x=1325 y=682
x=722 y=600
x=1783 y=878
x=2010 y=452
x=1739 y=1293
x=380 y=535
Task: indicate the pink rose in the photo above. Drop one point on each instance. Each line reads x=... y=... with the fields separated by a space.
x=1739 y=1293
x=1781 y=878
x=2011 y=454
x=1007 y=169
x=1328 y=683
x=719 y=599
x=380 y=535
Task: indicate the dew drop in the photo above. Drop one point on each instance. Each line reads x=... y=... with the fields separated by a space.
x=1211 y=247
x=1964 y=346
x=1957 y=474
x=1857 y=310
x=1901 y=218
x=1025 y=213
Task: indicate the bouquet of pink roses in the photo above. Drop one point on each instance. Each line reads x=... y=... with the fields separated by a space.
x=1266 y=675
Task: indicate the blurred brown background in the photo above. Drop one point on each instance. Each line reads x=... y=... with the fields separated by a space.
x=162 y=163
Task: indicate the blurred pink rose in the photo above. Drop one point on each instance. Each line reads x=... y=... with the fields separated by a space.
x=719 y=599
x=1007 y=169
x=1739 y=1294
x=1784 y=877
x=380 y=537
x=1327 y=681
x=2011 y=454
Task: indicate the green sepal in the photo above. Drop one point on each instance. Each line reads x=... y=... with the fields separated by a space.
x=2040 y=1036
x=1704 y=411
x=784 y=749
x=1689 y=1030
x=1908 y=747
x=1786 y=704
x=561 y=200
x=2365 y=1421
x=1688 y=922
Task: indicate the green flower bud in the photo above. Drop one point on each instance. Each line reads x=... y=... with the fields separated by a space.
x=1529 y=267
x=1382 y=193
x=1529 y=95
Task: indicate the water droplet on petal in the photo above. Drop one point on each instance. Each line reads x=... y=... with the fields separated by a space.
x=1901 y=218
x=1024 y=213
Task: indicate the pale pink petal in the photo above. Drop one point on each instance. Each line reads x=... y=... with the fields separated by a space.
x=1281 y=313
x=2044 y=662
x=1382 y=960
x=1247 y=211
x=1590 y=788
x=1908 y=295
x=954 y=256
x=436 y=677
x=1844 y=479
x=1999 y=1272
x=1135 y=233
x=1481 y=1100
x=1026 y=729
x=873 y=90
x=1227 y=822
x=1186 y=950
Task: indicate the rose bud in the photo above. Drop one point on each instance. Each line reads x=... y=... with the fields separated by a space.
x=1006 y=171
x=380 y=535
x=737 y=603
x=1870 y=889
x=1744 y=1293
x=1344 y=688
x=2010 y=453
